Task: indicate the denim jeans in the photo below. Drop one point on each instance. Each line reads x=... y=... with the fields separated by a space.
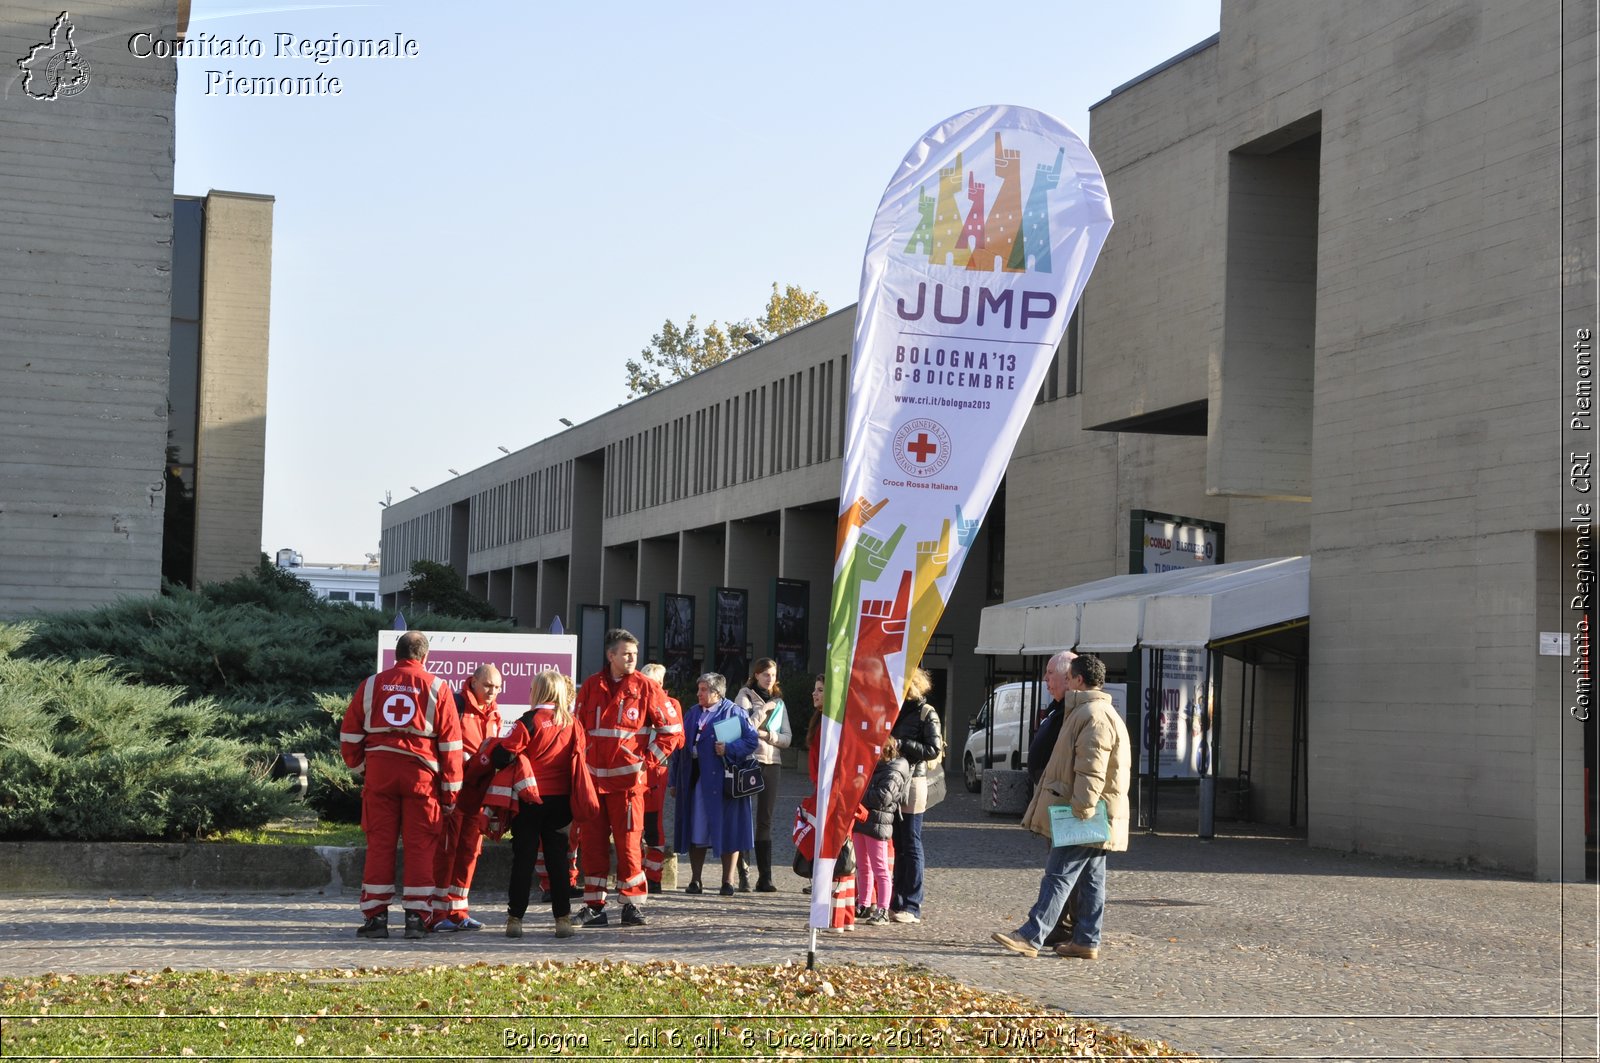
x=908 y=863
x=1065 y=865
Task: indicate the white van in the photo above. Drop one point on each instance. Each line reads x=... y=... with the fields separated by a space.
x=1012 y=705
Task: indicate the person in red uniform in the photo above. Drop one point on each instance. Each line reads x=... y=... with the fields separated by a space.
x=402 y=735
x=462 y=839
x=617 y=707
x=655 y=798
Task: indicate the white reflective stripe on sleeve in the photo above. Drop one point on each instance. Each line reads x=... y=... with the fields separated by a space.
x=429 y=715
x=450 y=787
x=449 y=747
x=524 y=784
x=670 y=729
x=660 y=754
x=611 y=732
x=501 y=791
x=366 y=701
x=351 y=736
x=611 y=773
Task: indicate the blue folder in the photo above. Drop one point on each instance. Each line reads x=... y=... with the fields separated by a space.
x=1068 y=829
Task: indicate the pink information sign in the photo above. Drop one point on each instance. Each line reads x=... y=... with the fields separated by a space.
x=454 y=655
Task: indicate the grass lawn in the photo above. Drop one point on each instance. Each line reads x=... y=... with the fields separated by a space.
x=545 y=1010
x=296 y=832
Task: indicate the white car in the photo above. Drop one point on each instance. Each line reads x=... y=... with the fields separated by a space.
x=1012 y=706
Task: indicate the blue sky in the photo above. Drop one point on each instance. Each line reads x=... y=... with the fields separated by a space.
x=470 y=243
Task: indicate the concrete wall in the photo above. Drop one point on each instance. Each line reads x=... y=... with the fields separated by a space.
x=231 y=451
x=1341 y=235
x=85 y=312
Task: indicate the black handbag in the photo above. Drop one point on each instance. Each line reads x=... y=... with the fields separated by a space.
x=742 y=780
x=844 y=867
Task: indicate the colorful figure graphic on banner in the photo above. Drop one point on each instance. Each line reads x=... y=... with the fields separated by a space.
x=947 y=219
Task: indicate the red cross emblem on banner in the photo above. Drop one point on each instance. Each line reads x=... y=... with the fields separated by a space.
x=922 y=448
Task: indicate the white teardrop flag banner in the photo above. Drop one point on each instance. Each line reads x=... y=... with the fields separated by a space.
x=979 y=251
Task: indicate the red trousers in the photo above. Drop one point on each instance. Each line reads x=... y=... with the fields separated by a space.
x=399 y=802
x=456 y=858
x=621 y=817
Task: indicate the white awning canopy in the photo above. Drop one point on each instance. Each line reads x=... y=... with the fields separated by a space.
x=1184 y=608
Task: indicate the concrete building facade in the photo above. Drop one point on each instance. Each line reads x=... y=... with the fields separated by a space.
x=97 y=331
x=1354 y=251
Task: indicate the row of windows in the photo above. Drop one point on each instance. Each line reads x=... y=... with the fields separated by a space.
x=794 y=421
x=536 y=504
x=421 y=538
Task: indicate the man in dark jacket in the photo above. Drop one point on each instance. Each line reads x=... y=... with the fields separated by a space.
x=1044 y=740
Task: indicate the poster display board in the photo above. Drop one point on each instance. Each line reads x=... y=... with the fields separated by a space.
x=677 y=639
x=1177 y=719
x=454 y=655
x=730 y=634
x=791 y=624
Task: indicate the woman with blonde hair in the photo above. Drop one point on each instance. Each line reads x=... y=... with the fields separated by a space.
x=548 y=747
x=920 y=735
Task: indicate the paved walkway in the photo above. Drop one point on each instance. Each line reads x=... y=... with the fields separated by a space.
x=1246 y=947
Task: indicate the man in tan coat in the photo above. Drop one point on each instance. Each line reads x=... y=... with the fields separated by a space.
x=1091 y=762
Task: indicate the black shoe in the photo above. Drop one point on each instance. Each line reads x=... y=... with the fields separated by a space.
x=694 y=887
x=652 y=888
x=744 y=880
x=416 y=926
x=726 y=890
x=766 y=886
x=376 y=926
x=631 y=915
x=589 y=915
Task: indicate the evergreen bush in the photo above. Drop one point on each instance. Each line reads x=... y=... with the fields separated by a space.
x=86 y=755
x=272 y=666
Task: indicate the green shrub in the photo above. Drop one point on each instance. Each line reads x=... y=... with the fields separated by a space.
x=84 y=754
x=258 y=661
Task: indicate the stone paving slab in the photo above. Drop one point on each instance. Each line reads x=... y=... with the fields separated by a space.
x=1244 y=947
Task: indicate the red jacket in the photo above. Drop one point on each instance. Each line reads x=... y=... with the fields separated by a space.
x=616 y=716
x=480 y=725
x=548 y=763
x=405 y=711
x=478 y=721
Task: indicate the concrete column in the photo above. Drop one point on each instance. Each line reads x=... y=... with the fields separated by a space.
x=500 y=590
x=701 y=563
x=525 y=595
x=752 y=563
x=658 y=575
x=805 y=551
x=230 y=448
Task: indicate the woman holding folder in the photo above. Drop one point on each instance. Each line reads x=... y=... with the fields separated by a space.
x=717 y=734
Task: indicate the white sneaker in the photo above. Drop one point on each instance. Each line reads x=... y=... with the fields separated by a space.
x=903 y=916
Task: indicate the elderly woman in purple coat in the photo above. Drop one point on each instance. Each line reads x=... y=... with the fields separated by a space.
x=705 y=818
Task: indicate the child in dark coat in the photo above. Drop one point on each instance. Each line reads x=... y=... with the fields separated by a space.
x=887 y=790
